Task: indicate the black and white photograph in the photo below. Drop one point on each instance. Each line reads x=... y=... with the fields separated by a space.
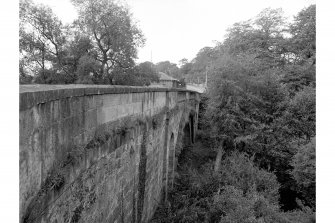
x=166 y=111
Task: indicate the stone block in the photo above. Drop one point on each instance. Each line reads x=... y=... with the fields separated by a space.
x=125 y=98
x=108 y=114
x=137 y=107
x=98 y=100
x=27 y=124
x=91 y=120
x=48 y=131
x=110 y=100
x=26 y=101
x=122 y=111
x=55 y=114
x=64 y=108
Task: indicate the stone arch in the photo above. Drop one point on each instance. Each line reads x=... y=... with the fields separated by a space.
x=186 y=134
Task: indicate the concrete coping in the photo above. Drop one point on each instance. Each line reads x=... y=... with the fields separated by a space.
x=31 y=95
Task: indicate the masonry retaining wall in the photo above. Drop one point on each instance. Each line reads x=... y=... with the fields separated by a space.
x=98 y=153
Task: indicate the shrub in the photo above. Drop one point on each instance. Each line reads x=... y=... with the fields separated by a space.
x=237 y=206
x=304 y=171
x=239 y=193
x=239 y=171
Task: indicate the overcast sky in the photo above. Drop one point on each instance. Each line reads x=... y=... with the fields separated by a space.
x=176 y=29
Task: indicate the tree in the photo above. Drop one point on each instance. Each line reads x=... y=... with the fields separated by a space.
x=301 y=49
x=304 y=171
x=296 y=77
x=260 y=101
x=142 y=74
x=168 y=68
x=270 y=22
x=261 y=104
x=262 y=39
x=300 y=115
x=203 y=57
x=303 y=35
x=222 y=115
x=42 y=39
x=100 y=45
x=186 y=68
x=146 y=72
x=24 y=78
x=113 y=33
x=183 y=62
x=196 y=70
x=80 y=46
x=87 y=71
x=239 y=192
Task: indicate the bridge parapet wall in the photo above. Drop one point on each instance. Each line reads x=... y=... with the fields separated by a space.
x=97 y=140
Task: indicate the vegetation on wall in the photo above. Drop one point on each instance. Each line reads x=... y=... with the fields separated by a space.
x=257 y=118
x=57 y=176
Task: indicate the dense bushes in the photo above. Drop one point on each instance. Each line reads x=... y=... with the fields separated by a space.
x=304 y=171
x=239 y=192
x=259 y=117
x=262 y=96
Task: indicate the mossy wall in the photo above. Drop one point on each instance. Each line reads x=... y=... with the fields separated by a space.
x=92 y=154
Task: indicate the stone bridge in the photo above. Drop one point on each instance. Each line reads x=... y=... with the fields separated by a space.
x=100 y=153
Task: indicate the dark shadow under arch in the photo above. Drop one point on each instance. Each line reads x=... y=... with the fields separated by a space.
x=191 y=121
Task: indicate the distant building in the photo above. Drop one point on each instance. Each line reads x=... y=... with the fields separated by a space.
x=167 y=80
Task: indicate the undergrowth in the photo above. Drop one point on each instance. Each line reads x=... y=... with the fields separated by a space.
x=239 y=193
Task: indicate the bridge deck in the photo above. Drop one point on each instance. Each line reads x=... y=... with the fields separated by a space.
x=35 y=94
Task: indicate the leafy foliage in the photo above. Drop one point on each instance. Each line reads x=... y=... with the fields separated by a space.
x=97 y=48
x=262 y=93
x=41 y=39
x=169 y=68
x=114 y=35
x=260 y=101
x=88 y=68
x=304 y=171
x=146 y=72
x=300 y=114
x=304 y=33
x=240 y=192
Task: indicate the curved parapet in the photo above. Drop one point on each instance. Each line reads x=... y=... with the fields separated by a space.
x=97 y=153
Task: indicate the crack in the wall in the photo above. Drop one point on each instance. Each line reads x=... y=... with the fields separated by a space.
x=164 y=183
x=142 y=175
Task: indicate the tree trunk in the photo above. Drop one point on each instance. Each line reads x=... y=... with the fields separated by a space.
x=104 y=66
x=218 y=159
x=43 y=65
x=102 y=69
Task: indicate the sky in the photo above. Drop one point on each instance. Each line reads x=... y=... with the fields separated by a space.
x=232 y=11
x=177 y=29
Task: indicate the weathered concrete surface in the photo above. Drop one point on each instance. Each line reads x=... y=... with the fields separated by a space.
x=99 y=153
